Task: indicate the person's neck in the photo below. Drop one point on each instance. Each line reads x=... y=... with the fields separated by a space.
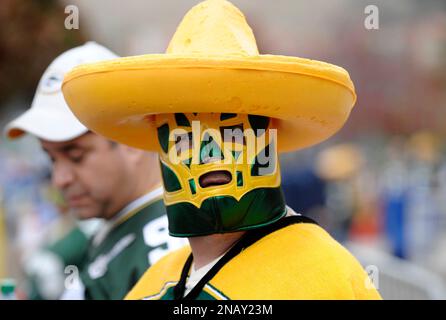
x=148 y=182
x=149 y=187
x=205 y=249
x=144 y=182
x=139 y=191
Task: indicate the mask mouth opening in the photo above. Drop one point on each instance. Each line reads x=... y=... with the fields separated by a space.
x=215 y=178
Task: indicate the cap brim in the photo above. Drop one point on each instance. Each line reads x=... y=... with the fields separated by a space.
x=55 y=126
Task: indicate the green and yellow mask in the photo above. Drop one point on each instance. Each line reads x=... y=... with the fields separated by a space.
x=220 y=172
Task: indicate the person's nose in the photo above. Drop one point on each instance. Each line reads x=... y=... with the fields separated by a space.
x=62 y=175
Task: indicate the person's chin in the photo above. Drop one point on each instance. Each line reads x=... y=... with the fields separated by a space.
x=84 y=213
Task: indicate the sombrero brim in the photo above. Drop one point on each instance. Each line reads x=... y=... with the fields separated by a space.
x=309 y=100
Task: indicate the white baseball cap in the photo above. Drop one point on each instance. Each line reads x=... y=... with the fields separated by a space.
x=49 y=117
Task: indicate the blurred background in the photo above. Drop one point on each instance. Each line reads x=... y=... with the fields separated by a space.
x=378 y=186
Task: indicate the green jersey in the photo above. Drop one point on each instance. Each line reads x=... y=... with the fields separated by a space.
x=45 y=268
x=122 y=251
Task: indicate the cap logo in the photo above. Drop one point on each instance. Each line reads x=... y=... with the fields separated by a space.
x=52 y=82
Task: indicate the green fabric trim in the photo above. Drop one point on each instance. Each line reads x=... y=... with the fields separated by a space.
x=171 y=181
x=182 y=120
x=223 y=214
x=239 y=179
x=163 y=137
x=226 y=116
x=192 y=186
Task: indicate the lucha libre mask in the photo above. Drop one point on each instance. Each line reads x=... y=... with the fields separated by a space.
x=220 y=172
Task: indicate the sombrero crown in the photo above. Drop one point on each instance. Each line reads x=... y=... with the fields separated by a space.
x=212 y=64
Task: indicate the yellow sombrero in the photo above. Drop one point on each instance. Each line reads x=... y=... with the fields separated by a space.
x=212 y=64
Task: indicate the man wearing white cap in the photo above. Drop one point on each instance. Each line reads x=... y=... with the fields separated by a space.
x=98 y=179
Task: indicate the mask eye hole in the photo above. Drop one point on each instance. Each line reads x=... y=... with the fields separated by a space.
x=233 y=134
x=183 y=142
